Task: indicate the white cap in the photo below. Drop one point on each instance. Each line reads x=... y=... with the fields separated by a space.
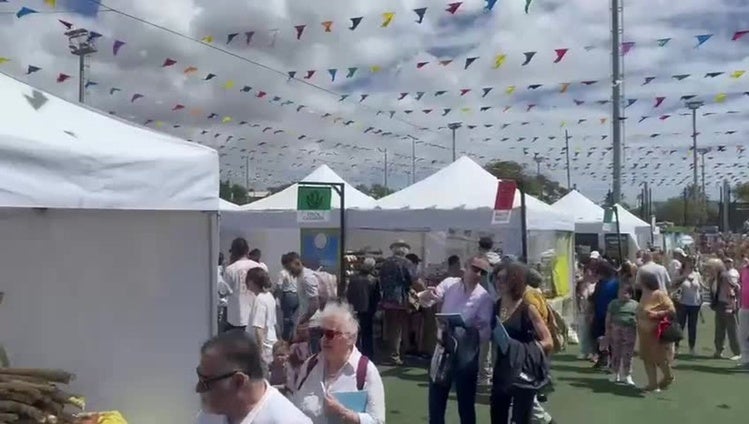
x=595 y=255
x=679 y=251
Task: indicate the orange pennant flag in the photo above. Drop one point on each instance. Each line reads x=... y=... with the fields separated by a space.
x=565 y=86
x=328 y=25
x=190 y=70
x=387 y=18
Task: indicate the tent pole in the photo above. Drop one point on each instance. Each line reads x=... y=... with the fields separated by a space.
x=523 y=223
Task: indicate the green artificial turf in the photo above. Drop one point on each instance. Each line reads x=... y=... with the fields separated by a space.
x=706 y=391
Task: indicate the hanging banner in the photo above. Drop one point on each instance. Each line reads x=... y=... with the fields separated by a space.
x=313 y=203
x=503 y=201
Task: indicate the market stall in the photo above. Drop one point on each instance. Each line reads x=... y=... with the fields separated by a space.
x=108 y=233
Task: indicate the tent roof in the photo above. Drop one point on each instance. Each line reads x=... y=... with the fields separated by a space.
x=579 y=206
x=63 y=155
x=628 y=218
x=466 y=185
x=225 y=205
x=287 y=198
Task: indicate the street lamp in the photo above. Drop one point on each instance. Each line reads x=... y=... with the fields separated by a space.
x=693 y=106
x=385 y=151
x=538 y=159
x=81 y=44
x=413 y=157
x=454 y=126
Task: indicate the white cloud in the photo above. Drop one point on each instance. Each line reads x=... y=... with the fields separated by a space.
x=552 y=24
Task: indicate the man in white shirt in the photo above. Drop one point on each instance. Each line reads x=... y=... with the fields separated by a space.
x=239 y=303
x=308 y=291
x=674 y=267
x=650 y=267
x=232 y=386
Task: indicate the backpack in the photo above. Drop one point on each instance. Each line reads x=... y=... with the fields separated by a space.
x=361 y=371
x=557 y=328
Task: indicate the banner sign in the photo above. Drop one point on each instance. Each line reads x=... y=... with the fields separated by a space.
x=313 y=203
x=503 y=201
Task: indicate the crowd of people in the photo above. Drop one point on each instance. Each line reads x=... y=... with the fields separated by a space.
x=298 y=351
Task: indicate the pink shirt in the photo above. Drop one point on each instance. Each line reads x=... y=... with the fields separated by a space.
x=475 y=307
x=745 y=288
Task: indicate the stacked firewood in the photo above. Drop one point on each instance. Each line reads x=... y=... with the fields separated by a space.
x=30 y=395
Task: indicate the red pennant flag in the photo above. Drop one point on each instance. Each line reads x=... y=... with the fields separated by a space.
x=453 y=7
x=328 y=25
x=402 y=96
x=446 y=62
x=463 y=91
x=627 y=46
x=309 y=75
x=261 y=94
x=168 y=62
x=560 y=55
x=658 y=101
x=299 y=31
x=68 y=25
x=178 y=107
x=421 y=65
x=62 y=77
x=738 y=34
x=664 y=117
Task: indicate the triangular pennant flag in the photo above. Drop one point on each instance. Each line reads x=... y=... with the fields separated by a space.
x=419 y=95
x=116 y=46
x=565 y=87
x=261 y=94
x=67 y=24
x=627 y=46
x=421 y=65
x=588 y=82
x=720 y=98
x=328 y=26
x=663 y=41
x=248 y=37
x=168 y=62
x=427 y=111
x=226 y=119
x=230 y=37
x=453 y=7
x=530 y=106
x=486 y=91
x=62 y=77
x=658 y=101
x=343 y=97
x=578 y=102
x=664 y=117
x=510 y=90
x=648 y=80
x=446 y=111
x=739 y=34
x=228 y=85
x=713 y=74
x=210 y=77
x=534 y=86
x=439 y=93
x=603 y=120
x=208 y=39
x=680 y=77
x=363 y=97
x=642 y=119
x=469 y=61
x=528 y=57
x=310 y=73
x=291 y=74
x=332 y=73
x=246 y=89
x=688 y=97
x=90 y=84
x=446 y=62
x=135 y=97
x=113 y=90
x=402 y=96
x=485 y=108
x=490 y=4
x=178 y=107
x=351 y=72
x=51 y=3
x=737 y=74
x=420 y=13
x=355 y=22
x=464 y=91
x=387 y=18
x=499 y=60
x=299 y=31
x=375 y=68
x=25 y=11
x=31 y=69
x=701 y=39
x=190 y=70
x=560 y=54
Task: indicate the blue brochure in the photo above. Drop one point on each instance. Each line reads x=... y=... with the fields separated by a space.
x=500 y=337
x=353 y=401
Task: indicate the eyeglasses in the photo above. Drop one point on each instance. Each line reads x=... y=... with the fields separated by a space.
x=331 y=334
x=204 y=383
x=478 y=270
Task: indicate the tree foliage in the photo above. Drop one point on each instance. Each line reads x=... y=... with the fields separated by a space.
x=234 y=193
x=538 y=186
x=741 y=192
x=376 y=191
x=699 y=211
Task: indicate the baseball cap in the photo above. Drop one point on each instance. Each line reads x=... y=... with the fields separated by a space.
x=595 y=255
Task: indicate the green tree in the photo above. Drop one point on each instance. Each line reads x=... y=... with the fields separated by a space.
x=376 y=191
x=741 y=191
x=538 y=186
x=234 y=193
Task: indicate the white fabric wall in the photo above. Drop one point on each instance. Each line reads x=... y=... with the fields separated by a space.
x=120 y=298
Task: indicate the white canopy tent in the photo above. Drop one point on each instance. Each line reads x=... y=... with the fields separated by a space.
x=225 y=205
x=109 y=239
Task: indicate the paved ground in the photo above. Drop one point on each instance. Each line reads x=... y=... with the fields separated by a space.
x=705 y=391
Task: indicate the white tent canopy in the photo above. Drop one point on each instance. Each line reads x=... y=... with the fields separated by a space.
x=460 y=195
x=66 y=156
x=225 y=205
x=109 y=236
x=287 y=198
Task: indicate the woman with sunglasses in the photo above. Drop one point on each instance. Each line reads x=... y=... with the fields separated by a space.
x=340 y=385
x=459 y=341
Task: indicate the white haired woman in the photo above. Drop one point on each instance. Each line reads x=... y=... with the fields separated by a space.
x=340 y=385
x=724 y=301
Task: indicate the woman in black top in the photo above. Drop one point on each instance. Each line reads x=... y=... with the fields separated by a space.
x=521 y=369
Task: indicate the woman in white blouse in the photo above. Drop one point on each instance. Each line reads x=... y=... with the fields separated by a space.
x=340 y=368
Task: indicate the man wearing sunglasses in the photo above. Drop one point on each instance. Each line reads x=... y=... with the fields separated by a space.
x=232 y=385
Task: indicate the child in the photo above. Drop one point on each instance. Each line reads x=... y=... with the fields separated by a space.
x=279 y=369
x=621 y=334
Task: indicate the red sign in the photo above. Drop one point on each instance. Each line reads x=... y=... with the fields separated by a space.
x=505 y=195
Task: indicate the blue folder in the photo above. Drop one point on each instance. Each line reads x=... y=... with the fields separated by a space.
x=354 y=401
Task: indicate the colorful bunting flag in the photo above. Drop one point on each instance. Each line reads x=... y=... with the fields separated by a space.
x=446 y=111
x=261 y=94
x=246 y=89
x=534 y=86
x=363 y=97
x=135 y=97
x=402 y=96
x=5 y=60
x=419 y=95
x=630 y=102
x=627 y=46
x=713 y=74
x=527 y=5
x=67 y=24
x=168 y=62
x=420 y=13
x=720 y=98
x=116 y=46
x=469 y=61
x=113 y=90
x=299 y=31
x=228 y=85
x=510 y=89
x=248 y=37
x=486 y=91
x=663 y=41
x=648 y=80
x=375 y=68
x=658 y=101
x=528 y=57
x=439 y=93
x=499 y=60
x=681 y=77
x=387 y=18
x=664 y=117
x=328 y=26
x=701 y=39
x=30 y=70
x=310 y=73
x=739 y=34
x=62 y=77
x=226 y=119
x=464 y=91
x=565 y=86
x=560 y=54
x=178 y=107
x=210 y=77
x=421 y=65
x=332 y=73
x=453 y=7
x=351 y=72
x=588 y=82
x=355 y=22
x=24 y=11
x=446 y=62
x=208 y=39
x=231 y=37
x=737 y=74
x=291 y=74
x=90 y=84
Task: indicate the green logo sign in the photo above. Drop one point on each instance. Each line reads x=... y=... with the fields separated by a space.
x=313 y=198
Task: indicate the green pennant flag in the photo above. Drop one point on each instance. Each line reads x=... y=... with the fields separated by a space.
x=311 y=198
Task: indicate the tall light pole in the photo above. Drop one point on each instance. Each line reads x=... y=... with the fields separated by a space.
x=538 y=159
x=385 y=151
x=703 y=151
x=454 y=126
x=567 y=148
x=413 y=158
x=616 y=102
x=693 y=106
x=81 y=44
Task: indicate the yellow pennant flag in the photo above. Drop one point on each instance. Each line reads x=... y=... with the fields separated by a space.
x=563 y=124
x=226 y=119
x=565 y=86
x=720 y=98
x=510 y=89
x=375 y=69
x=229 y=85
x=4 y=60
x=499 y=60
x=466 y=110
x=387 y=18
x=737 y=74
x=159 y=124
x=207 y=39
x=51 y=3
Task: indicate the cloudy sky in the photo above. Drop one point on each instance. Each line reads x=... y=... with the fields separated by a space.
x=392 y=81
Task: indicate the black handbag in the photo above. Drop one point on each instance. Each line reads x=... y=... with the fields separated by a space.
x=670 y=331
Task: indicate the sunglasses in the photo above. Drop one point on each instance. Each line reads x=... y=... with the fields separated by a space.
x=205 y=383
x=331 y=334
x=478 y=270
